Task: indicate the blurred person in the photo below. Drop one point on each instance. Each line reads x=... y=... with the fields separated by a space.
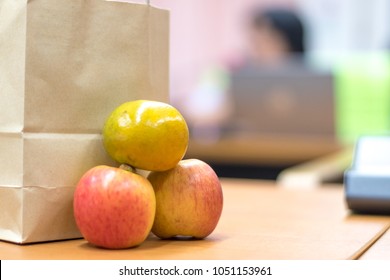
x=276 y=39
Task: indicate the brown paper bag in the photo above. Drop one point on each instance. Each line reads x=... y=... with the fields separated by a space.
x=64 y=66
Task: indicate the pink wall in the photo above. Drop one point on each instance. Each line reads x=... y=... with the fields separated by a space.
x=203 y=33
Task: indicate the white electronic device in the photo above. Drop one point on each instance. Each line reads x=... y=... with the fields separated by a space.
x=367 y=182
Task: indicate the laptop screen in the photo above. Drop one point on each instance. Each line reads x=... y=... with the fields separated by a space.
x=289 y=101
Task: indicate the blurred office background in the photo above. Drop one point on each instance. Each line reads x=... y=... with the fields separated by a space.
x=349 y=38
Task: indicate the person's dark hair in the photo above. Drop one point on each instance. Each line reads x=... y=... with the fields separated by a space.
x=286 y=22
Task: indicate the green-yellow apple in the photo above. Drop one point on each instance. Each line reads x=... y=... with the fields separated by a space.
x=189 y=200
x=146 y=134
x=114 y=208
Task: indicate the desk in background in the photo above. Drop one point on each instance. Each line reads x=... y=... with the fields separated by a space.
x=257 y=155
x=259 y=221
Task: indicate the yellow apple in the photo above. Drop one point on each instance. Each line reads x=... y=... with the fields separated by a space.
x=146 y=134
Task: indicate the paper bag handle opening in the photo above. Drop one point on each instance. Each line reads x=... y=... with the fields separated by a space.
x=147 y=2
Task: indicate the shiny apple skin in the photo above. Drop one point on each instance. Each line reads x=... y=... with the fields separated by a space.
x=146 y=134
x=189 y=200
x=114 y=208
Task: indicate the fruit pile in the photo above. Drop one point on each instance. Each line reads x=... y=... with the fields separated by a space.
x=117 y=207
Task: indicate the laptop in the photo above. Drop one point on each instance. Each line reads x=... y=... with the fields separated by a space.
x=290 y=101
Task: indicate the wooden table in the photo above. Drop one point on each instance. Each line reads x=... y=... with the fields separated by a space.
x=259 y=221
x=380 y=250
x=263 y=149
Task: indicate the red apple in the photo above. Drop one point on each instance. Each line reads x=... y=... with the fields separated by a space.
x=189 y=200
x=114 y=208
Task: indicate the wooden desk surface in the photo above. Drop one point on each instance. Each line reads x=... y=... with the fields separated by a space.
x=263 y=149
x=259 y=221
x=380 y=250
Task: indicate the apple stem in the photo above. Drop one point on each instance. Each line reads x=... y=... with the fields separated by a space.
x=127 y=167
